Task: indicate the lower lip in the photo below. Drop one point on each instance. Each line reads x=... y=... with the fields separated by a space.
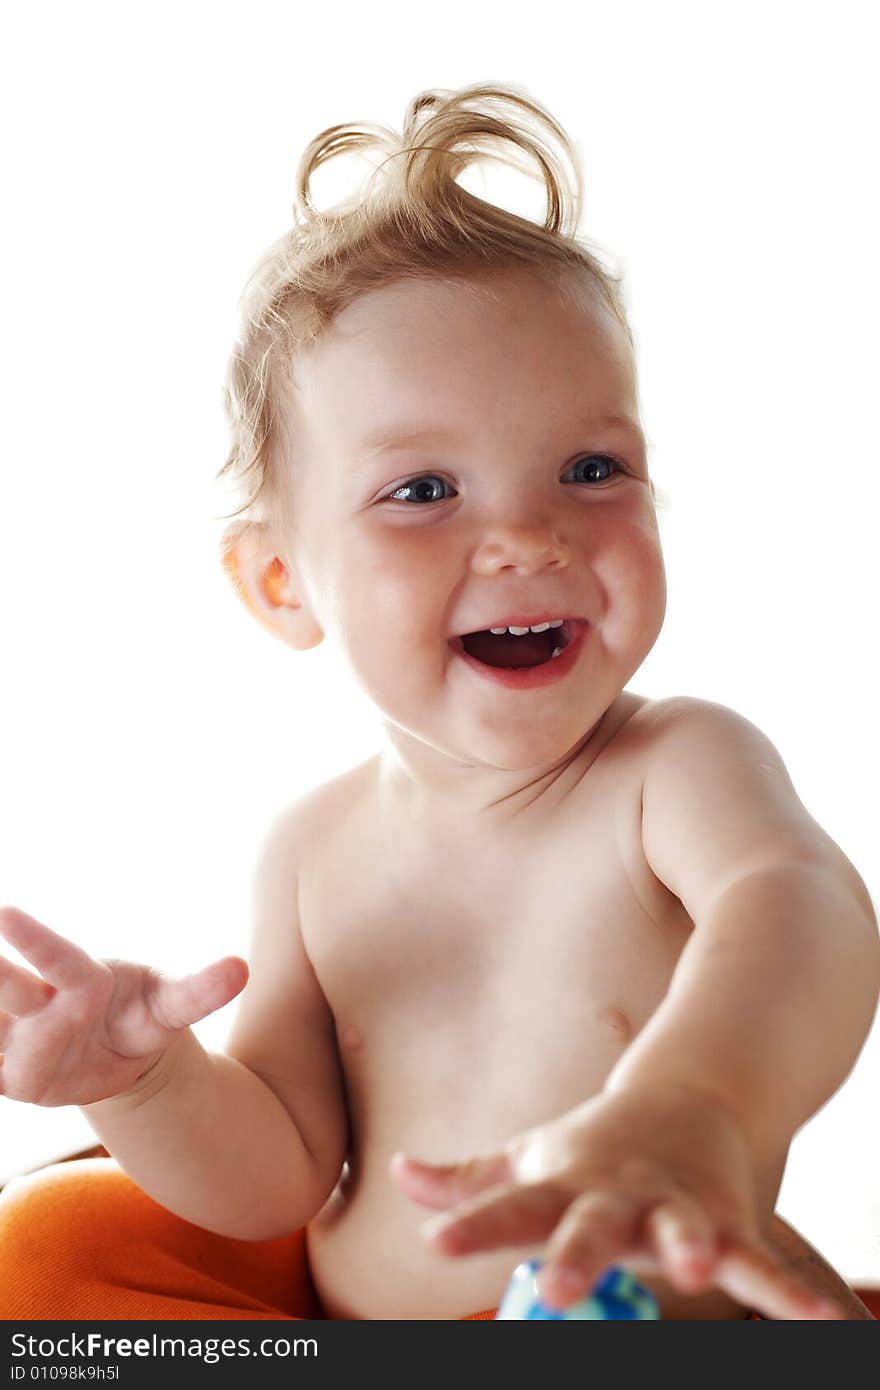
x=529 y=677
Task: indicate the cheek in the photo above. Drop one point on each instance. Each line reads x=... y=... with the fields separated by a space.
x=633 y=573
x=650 y=571
x=391 y=601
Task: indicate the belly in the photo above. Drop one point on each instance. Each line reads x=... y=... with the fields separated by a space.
x=368 y=1257
x=462 y=1095
x=399 y=1280
x=393 y=1275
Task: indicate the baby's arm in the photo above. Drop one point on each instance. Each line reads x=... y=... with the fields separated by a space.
x=774 y=993
x=243 y=1154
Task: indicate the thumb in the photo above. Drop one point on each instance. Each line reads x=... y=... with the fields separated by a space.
x=445 y=1184
x=180 y=1002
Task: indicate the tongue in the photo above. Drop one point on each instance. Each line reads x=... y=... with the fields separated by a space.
x=530 y=650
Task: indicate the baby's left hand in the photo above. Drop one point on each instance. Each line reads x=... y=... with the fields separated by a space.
x=660 y=1177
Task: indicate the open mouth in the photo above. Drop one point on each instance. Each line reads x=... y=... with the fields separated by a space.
x=517 y=652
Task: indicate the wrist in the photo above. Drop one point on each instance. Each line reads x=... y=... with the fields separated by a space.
x=761 y=1133
x=167 y=1068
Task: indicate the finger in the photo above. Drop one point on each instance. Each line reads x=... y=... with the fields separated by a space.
x=21 y=992
x=58 y=960
x=445 y=1184
x=514 y=1214
x=179 y=1002
x=596 y=1228
x=752 y=1275
x=681 y=1235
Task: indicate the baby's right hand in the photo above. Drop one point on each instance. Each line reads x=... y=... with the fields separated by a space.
x=90 y=1029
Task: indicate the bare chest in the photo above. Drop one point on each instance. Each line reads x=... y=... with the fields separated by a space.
x=480 y=988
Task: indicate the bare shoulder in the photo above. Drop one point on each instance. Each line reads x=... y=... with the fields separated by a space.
x=687 y=715
x=301 y=824
x=668 y=733
x=718 y=802
x=690 y=736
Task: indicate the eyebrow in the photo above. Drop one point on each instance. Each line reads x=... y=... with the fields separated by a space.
x=399 y=437
x=403 y=436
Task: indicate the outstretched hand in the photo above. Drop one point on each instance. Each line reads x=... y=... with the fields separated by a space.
x=662 y=1178
x=83 y=1030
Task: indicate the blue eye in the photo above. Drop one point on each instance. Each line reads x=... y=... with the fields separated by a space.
x=422 y=489
x=606 y=467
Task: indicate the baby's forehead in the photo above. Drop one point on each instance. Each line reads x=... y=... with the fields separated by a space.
x=512 y=330
x=515 y=294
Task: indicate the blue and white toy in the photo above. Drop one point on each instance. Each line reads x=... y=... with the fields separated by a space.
x=616 y=1295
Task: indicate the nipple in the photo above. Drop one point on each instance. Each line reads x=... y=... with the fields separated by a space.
x=616 y=1021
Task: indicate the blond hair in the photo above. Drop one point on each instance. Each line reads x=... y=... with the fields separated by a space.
x=411 y=219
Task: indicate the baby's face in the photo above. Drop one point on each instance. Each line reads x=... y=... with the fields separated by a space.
x=465 y=462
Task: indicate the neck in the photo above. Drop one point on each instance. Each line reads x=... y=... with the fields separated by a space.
x=429 y=786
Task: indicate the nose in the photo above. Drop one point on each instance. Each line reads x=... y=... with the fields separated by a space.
x=523 y=549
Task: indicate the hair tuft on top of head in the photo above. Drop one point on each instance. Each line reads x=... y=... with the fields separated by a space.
x=410 y=218
x=337 y=140
x=493 y=121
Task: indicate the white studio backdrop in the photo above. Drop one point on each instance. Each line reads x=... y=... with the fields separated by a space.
x=149 y=728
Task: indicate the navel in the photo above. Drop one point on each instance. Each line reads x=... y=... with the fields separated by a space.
x=616 y=1021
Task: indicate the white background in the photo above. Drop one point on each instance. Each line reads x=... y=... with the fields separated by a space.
x=149 y=727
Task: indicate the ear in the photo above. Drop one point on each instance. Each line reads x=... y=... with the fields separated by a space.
x=266 y=587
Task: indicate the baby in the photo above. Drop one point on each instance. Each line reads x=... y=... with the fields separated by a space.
x=562 y=968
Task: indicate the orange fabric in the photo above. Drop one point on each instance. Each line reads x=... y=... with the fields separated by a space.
x=81 y=1241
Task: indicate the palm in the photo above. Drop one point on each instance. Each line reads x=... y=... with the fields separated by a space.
x=84 y=1029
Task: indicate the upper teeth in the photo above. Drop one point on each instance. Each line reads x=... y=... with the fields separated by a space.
x=521 y=631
